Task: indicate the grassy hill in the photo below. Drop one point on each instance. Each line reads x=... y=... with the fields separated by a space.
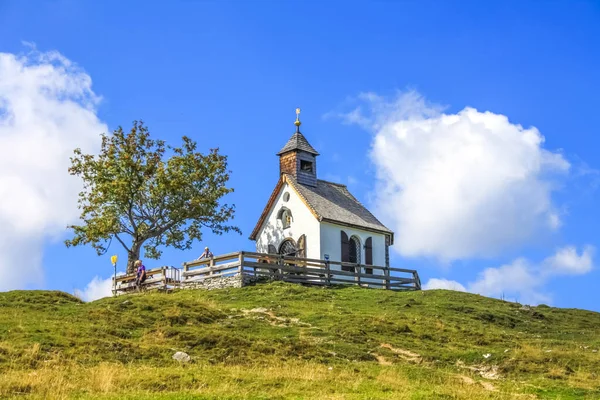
x=287 y=341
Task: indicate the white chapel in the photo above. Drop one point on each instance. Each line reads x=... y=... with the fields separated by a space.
x=311 y=218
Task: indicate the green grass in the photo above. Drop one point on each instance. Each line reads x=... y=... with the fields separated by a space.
x=288 y=341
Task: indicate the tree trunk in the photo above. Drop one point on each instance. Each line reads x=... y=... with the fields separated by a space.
x=132 y=256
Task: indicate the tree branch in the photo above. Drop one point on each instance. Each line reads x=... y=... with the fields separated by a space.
x=122 y=243
x=130 y=215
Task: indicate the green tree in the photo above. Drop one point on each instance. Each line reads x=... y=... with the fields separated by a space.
x=144 y=193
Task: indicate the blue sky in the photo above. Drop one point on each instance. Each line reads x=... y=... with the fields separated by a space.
x=230 y=74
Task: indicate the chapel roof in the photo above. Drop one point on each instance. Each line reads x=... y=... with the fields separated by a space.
x=333 y=202
x=298 y=142
x=329 y=202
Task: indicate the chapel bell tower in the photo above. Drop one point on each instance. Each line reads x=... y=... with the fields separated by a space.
x=298 y=158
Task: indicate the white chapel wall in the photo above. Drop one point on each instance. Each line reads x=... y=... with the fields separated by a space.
x=303 y=223
x=331 y=243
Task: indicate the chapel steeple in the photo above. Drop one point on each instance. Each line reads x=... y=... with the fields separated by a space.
x=298 y=157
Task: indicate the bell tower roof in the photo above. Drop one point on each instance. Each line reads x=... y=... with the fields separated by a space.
x=298 y=142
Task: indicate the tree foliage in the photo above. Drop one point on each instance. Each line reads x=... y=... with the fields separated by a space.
x=143 y=192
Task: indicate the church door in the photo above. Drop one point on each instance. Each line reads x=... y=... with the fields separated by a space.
x=287 y=248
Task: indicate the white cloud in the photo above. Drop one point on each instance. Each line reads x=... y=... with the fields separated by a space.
x=519 y=280
x=47 y=108
x=523 y=280
x=435 y=283
x=566 y=261
x=96 y=289
x=455 y=186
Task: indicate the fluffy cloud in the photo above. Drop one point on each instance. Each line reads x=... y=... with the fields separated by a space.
x=96 y=289
x=47 y=108
x=455 y=186
x=518 y=280
x=435 y=283
x=566 y=261
x=523 y=280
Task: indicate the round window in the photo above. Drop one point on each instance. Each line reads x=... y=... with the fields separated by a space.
x=286 y=196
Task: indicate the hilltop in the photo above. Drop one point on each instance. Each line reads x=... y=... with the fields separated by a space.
x=288 y=341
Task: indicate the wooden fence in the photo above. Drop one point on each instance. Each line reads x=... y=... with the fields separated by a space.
x=254 y=266
x=162 y=278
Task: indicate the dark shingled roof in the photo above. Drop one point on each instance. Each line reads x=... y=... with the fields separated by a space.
x=298 y=142
x=329 y=202
x=333 y=202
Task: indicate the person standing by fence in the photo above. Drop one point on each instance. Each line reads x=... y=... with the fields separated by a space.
x=140 y=273
x=207 y=254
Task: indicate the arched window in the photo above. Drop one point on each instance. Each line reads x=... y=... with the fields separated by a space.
x=285 y=215
x=354 y=255
x=288 y=248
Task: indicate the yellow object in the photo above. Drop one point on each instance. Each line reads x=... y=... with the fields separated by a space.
x=113 y=260
x=297 y=123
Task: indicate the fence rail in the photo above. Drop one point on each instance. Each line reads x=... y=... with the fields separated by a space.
x=251 y=266
x=162 y=278
x=254 y=266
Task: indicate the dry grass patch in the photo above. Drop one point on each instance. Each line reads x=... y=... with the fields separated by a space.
x=283 y=380
x=405 y=354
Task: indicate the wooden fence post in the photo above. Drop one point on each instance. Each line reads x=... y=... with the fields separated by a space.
x=182 y=278
x=211 y=264
x=387 y=277
x=241 y=261
x=417 y=280
x=279 y=272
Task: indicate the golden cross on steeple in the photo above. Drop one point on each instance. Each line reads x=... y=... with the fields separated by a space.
x=297 y=123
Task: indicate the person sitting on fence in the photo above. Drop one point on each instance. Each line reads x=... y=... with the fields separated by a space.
x=207 y=254
x=140 y=273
